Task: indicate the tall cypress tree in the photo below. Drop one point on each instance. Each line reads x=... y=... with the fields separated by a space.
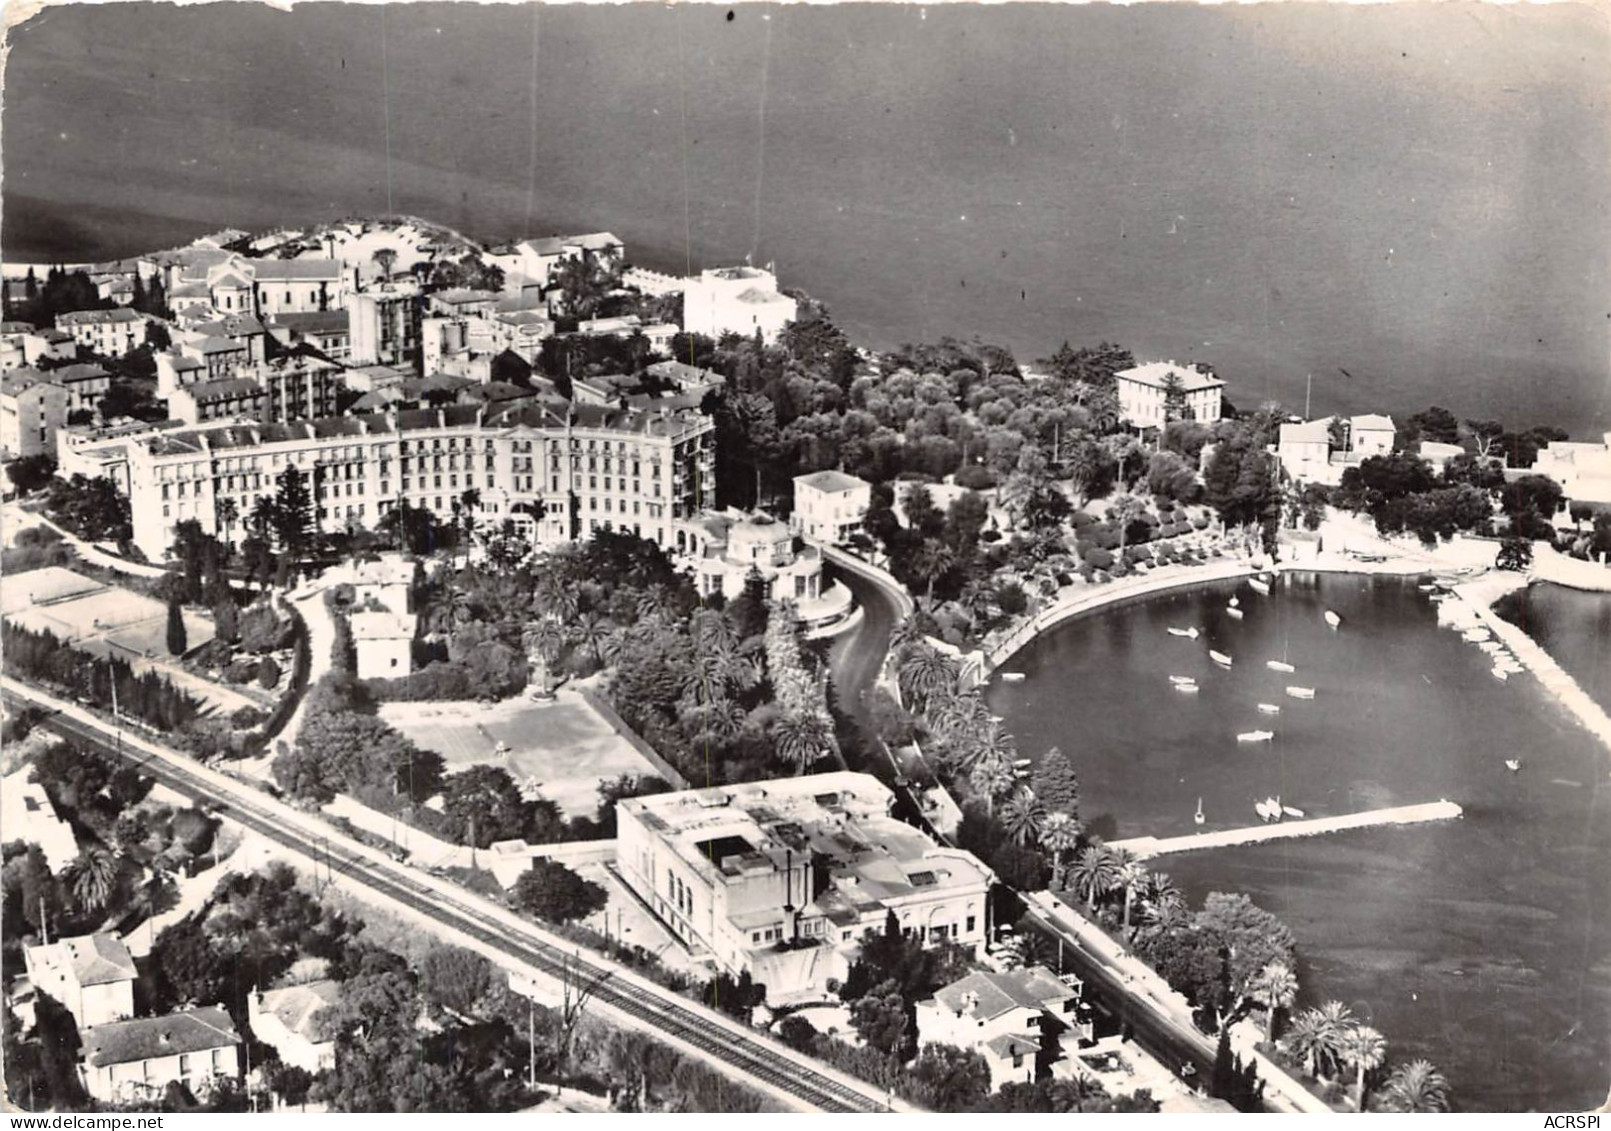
x=176 y=629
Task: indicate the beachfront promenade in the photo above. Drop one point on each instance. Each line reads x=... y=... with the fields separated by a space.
x=1148 y=846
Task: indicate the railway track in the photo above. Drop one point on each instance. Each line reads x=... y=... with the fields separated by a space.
x=661 y=1013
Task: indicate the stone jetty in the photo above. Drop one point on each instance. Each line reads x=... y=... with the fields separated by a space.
x=1148 y=846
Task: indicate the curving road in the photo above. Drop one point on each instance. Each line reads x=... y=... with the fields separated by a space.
x=855 y=660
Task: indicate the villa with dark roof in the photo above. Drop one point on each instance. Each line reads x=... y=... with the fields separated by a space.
x=132 y=1060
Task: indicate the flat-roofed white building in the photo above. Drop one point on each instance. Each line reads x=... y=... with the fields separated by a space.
x=784 y=878
x=738 y=300
x=1143 y=393
x=830 y=506
x=27 y=814
x=1582 y=469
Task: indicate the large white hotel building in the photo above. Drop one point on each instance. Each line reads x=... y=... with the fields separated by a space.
x=559 y=472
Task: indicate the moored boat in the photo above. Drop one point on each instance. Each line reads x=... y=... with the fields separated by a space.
x=1187 y=688
x=1236 y=614
x=1289 y=811
x=1182 y=679
x=1219 y=657
x=1188 y=633
x=1269 y=809
x=1279 y=666
x=1333 y=619
x=1512 y=764
x=1012 y=677
x=1255 y=736
x=1501 y=674
x=1197 y=817
x=1301 y=692
x=1259 y=586
x=1269 y=709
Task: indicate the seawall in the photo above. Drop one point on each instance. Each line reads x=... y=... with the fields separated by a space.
x=1148 y=846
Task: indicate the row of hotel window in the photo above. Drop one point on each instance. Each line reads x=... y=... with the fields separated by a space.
x=353 y=460
x=345 y=489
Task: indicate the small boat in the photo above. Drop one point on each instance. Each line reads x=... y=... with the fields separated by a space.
x=1255 y=736
x=1182 y=679
x=1490 y=646
x=1236 y=614
x=1333 y=619
x=1426 y=586
x=1289 y=811
x=1301 y=692
x=1219 y=657
x=1012 y=677
x=1512 y=764
x=1269 y=709
x=1475 y=635
x=1197 y=817
x=1279 y=666
x=1269 y=809
x=1235 y=602
x=1188 y=633
x=1501 y=674
x=1259 y=586
x=1187 y=688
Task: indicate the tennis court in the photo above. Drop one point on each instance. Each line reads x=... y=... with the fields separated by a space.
x=563 y=748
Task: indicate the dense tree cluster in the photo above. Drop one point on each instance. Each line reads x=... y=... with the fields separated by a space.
x=92 y=509
x=46 y=658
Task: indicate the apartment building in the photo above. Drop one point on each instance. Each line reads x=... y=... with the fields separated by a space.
x=559 y=472
x=110 y=333
x=383 y=325
x=33 y=407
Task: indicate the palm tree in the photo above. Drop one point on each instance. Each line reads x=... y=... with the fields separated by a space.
x=589 y=631
x=554 y=598
x=1317 y=1036
x=1365 y=1049
x=227 y=512
x=1276 y=988
x=704 y=685
x=1021 y=819
x=93 y=875
x=1416 y=1086
x=1059 y=835
x=801 y=739
x=544 y=638
x=930 y=562
x=924 y=672
x=1163 y=908
x=988 y=744
x=1095 y=874
x=992 y=777
x=385 y=259
x=718 y=720
x=904 y=634
x=961 y=715
x=1131 y=875
x=1122 y=511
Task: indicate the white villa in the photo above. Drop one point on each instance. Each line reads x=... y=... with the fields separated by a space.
x=1582 y=470
x=1143 y=391
x=1307 y=453
x=1009 y=1018
x=784 y=878
x=724 y=549
x=92 y=976
x=739 y=300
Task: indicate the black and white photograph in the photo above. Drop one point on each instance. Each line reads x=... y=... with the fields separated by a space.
x=956 y=558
